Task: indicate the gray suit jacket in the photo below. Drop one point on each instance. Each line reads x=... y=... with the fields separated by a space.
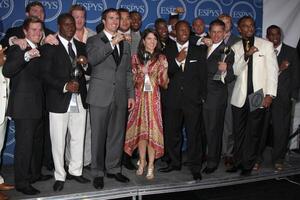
x=109 y=81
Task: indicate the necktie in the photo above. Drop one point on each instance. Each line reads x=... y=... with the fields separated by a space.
x=276 y=52
x=71 y=52
x=116 y=55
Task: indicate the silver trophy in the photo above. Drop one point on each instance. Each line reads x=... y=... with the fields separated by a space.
x=225 y=52
x=76 y=72
x=147 y=82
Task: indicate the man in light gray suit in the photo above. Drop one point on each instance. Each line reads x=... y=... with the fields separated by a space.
x=110 y=93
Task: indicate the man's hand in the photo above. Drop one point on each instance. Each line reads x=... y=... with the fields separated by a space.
x=51 y=39
x=207 y=41
x=117 y=38
x=251 y=51
x=128 y=37
x=72 y=86
x=284 y=65
x=182 y=55
x=267 y=101
x=131 y=103
x=2 y=56
x=22 y=43
x=33 y=53
x=222 y=66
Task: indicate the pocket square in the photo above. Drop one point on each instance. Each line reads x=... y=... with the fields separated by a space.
x=192 y=61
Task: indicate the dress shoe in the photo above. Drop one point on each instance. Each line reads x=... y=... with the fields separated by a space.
x=58 y=185
x=246 y=172
x=168 y=169
x=228 y=161
x=41 y=178
x=79 y=179
x=98 y=182
x=3 y=196
x=256 y=167
x=233 y=169
x=6 y=186
x=197 y=176
x=119 y=177
x=208 y=170
x=87 y=167
x=278 y=167
x=29 y=190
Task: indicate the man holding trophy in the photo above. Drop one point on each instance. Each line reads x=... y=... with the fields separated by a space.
x=64 y=68
x=219 y=65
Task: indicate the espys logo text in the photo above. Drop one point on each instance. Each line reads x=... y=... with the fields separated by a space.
x=52 y=9
x=137 y=5
x=6 y=8
x=93 y=8
x=208 y=10
x=241 y=9
x=164 y=9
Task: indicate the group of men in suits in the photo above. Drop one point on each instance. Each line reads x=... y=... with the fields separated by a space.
x=194 y=99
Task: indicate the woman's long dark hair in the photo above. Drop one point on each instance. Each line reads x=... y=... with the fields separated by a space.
x=141 y=47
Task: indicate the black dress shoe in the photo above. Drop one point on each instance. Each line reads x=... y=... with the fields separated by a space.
x=29 y=190
x=58 y=185
x=98 y=182
x=197 y=176
x=208 y=170
x=169 y=169
x=246 y=172
x=41 y=178
x=233 y=169
x=119 y=177
x=79 y=179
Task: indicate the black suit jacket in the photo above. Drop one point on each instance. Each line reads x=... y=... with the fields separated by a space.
x=26 y=94
x=217 y=90
x=288 y=80
x=190 y=84
x=57 y=68
x=18 y=32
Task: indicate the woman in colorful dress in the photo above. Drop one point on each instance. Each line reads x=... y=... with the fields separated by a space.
x=144 y=126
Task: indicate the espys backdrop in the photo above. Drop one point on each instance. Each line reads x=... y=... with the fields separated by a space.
x=12 y=13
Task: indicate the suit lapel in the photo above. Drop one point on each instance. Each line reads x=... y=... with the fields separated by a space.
x=65 y=57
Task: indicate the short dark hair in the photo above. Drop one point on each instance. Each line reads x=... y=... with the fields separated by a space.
x=182 y=22
x=141 y=47
x=30 y=20
x=159 y=20
x=135 y=12
x=105 y=12
x=217 y=22
x=77 y=7
x=244 y=18
x=273 y=27
x=32 y=4
x=123 y=10
x=64 y=16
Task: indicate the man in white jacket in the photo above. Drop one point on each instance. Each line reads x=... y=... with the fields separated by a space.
x=4 y=85
x=255 y=68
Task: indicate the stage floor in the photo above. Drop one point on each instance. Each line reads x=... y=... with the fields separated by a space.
x=139 y=186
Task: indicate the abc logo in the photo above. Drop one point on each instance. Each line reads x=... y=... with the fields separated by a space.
x=164 y=9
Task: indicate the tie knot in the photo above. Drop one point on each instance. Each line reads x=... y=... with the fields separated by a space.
x=276 y=51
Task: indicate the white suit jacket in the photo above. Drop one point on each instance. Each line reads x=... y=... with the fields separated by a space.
x=264 y=71
x=4 y=85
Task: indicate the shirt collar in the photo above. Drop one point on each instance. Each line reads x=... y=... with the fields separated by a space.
x=64 y=41
x=179 y=46
x=108 y=35
x=279 y=48
x=31 y=44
